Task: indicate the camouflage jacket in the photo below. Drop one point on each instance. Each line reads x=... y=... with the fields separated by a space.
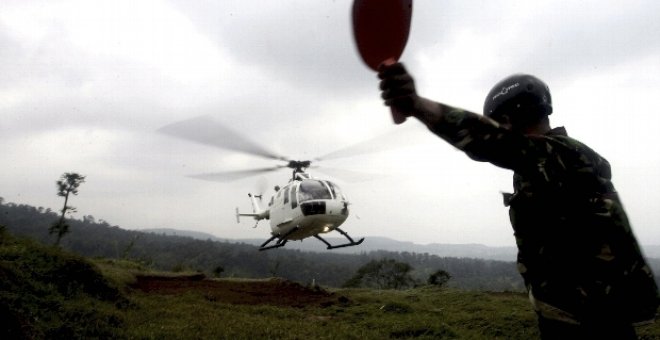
x=576 y=251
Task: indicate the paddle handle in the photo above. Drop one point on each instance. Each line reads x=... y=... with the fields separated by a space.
x=397 y=116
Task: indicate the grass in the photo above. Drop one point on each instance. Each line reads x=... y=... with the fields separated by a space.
x=48 y=293
x=421 y=313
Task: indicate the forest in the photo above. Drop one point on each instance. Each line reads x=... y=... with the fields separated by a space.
x=91 y=238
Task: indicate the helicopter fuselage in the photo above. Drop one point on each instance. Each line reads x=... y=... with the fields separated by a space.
x=303 y=208
x=307 y=207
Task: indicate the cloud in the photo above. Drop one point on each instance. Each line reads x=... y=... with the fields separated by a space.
x=86 y=85
x=590 y=37
x=308 y=44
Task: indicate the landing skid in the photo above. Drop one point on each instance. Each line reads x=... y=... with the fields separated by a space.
x=349 y=244
x=281 y=240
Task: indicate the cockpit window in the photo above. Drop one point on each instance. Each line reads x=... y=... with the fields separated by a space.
x=294 y=195
x=335 y=191
x=286 y=195
x=313 y=190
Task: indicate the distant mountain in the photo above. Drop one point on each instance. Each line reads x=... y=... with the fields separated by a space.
x=198 y=235
x=371 y=243
x=471 y=266
x=181 y=251
x=375 y=243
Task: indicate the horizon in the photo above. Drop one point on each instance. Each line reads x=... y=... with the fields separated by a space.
x=256 y=238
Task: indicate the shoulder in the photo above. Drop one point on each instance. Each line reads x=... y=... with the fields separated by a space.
x=569 y=153
x=565 y=143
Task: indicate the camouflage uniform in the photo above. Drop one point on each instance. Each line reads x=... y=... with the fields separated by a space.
x=576 y=251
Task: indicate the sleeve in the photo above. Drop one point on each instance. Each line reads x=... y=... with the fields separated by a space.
x=482 y=139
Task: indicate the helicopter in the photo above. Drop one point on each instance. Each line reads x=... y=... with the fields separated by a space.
x=304 y=207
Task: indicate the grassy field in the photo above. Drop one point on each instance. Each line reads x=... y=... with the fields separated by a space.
x=421 y=313
x=367 y=314
x=47 y=293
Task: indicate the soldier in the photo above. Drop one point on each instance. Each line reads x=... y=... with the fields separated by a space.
x=577 y=254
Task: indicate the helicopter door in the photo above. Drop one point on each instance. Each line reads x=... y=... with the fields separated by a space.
x=280 y=213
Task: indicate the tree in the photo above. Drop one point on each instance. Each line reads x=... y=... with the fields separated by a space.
x=383 y=274
x=66 y=185
x=218 y=270
x=439 y=278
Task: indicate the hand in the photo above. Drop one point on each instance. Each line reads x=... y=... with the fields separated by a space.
x=398 y=88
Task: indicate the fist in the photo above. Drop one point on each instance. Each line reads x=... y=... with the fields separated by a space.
x=398 y=88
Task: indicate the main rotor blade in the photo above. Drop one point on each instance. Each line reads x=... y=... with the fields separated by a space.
x=228 y=176
x=206 y=130
x=349 y=175
x=390 y=140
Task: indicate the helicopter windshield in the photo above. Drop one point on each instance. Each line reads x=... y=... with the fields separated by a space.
x=335 y=191
x=313 y=190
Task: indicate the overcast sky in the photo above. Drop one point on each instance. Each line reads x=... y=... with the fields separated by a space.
x=86 y=84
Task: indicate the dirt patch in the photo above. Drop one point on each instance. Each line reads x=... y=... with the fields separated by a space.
x=273 y=291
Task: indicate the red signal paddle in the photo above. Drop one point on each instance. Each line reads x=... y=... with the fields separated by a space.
x=381 y=29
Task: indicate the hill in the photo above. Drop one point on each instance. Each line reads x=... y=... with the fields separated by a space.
x=99 y=239
x=376 y=243
x=46 y=292
x=371 y=243
x=240 y=259
x=49 y=294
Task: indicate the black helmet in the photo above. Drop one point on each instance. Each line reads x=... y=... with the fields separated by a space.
x=519 y=93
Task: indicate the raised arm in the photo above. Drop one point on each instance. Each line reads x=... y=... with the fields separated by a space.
x=480 y=137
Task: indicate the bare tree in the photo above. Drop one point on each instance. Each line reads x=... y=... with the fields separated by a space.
x=66 y=185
